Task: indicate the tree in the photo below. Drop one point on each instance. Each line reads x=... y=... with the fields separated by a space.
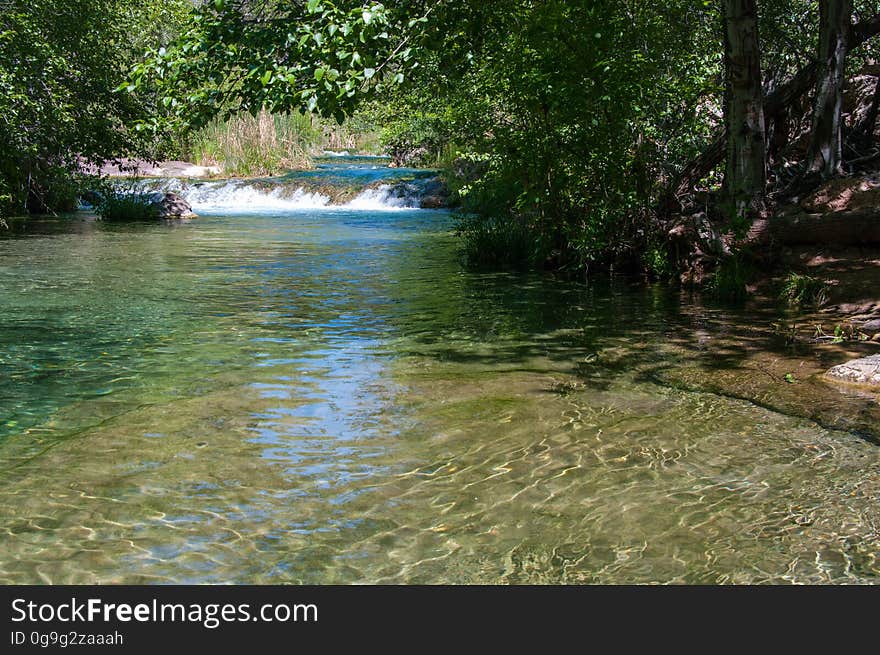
x=745 y=176
x=570 y=108
x=573 y=116
x=60 y=61
x=826 y=143
x=780 y=100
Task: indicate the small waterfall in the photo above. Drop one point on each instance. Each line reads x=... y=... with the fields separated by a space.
x=350 y=184
x=387 y=196
x=238 y=196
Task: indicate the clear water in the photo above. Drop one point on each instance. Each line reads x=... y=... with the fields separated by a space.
x=326 y=396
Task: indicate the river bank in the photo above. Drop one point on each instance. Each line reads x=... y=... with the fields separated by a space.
x=139 y=168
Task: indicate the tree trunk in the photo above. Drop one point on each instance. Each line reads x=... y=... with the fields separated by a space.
x=863 y=134
x=777 y=101
x=746 y=173
x=826 y=141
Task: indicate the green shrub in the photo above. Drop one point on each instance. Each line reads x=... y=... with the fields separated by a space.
x=418 y=139
x=657 y=261
x=499 y=242
x=120 y=206
x=5 y=202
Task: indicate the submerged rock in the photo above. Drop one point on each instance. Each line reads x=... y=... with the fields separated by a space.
x=858 y=371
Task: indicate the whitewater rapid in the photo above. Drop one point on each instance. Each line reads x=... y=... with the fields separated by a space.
x=244 y=197
x=381 y=189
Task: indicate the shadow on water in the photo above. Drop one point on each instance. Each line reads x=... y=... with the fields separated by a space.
x=656 y=335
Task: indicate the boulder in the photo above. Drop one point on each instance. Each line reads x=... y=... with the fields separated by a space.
x=871 y=327
x=432 y=202
x=172 y=205
x=858 y=371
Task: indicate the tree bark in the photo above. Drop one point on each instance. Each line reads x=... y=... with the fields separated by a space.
x=826 y=141
x=745 y=176
x=863 y=133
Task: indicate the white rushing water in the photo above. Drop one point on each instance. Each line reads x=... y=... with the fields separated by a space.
x=241 y=197
x=400 y=189
x=237 y=196
x=386 y=197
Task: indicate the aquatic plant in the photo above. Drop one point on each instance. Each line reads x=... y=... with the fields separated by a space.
x=804 y=290
x=493 y=241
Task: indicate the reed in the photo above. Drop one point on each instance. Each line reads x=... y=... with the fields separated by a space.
x=267 y=144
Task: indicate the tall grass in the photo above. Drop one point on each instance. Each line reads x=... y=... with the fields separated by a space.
x=249 y=146
x=804 y=290
x=731 y=279
x=266 y=144
x=499 y=242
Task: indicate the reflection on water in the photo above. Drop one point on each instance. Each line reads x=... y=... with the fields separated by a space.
x=328 y=397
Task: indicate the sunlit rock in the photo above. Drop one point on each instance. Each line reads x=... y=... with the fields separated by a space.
x=172 y=205
x=858 y=371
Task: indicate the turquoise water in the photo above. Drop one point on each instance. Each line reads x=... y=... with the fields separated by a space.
x=324 y=395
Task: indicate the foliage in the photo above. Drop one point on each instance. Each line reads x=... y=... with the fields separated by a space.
x=490 y=242
x=60 y=61
x=580 y=113
x=417 y=139
x=804 y=290
x=120 y=206
x=657 y=260
x=243 y=56
x=730 y=280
